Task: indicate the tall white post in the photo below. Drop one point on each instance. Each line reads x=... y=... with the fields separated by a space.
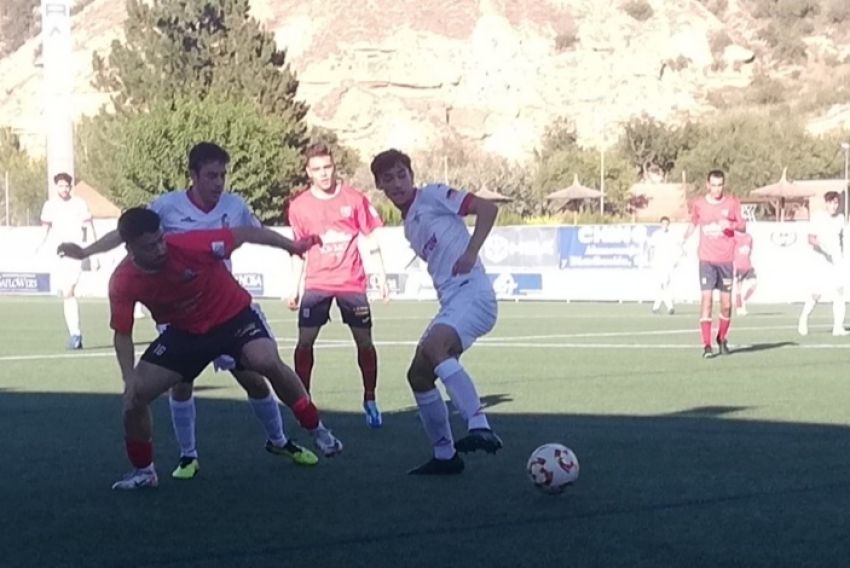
x=58 y=87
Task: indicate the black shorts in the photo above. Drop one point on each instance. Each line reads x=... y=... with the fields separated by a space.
x=746 y=275
x=188 y=353
x=715 y=276
x=315 y=310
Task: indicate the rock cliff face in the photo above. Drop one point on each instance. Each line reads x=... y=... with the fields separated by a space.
x=496 y=72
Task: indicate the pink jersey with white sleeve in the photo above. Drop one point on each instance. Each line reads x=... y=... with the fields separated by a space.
x=336 y=266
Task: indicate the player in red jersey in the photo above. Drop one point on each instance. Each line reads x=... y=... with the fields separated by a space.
x=745 y=274
x=182 y=281
x=718 y=217
x=339 y=214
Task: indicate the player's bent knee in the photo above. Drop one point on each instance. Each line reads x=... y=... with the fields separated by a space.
x=182 y=392
x=254 y=383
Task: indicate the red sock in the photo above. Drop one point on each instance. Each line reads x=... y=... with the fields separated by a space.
x=368 y=360
x=705 y=330
x=306 y=413
x=723 y=328
x=140 y=453
x=304 y=365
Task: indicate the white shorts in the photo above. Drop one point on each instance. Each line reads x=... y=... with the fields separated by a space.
x=66 y=273
x=471 y=311
x=827 y=277
x=226 y=362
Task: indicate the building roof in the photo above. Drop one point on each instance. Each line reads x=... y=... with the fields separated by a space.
x=100 y=206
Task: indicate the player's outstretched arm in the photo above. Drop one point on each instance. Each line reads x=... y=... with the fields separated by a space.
x=485 y=217
x=104 y=244
x=124 y=353
x=267 y=237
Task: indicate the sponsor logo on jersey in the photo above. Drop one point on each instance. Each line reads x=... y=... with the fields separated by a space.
x=346 y=211
x=218 y=248
x=429 y=247
x=187 y=219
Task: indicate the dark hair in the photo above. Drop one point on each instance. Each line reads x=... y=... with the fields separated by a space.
x=715 y=174
x=665 y=218
x=205 y=153
x=389 y=159
x=137 y=221
x=63 y=176
x=316 y=150
x=832 y=196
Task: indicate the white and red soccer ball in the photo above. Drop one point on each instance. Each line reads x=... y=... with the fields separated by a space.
x=552 y=467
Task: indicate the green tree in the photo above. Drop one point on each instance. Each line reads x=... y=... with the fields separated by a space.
x=197 y=47
x=147 y=154
x=175 y=58
x=754 y=148
x=27 y=181
x=653 y=146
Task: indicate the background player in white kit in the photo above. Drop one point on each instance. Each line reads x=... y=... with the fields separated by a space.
x=828 y=270
x=665 y=252
x=65 y=217
x=206 y=205
x=434 y=227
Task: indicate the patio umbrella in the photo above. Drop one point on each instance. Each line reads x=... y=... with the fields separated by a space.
x=574 y=192
x=782 y=190
x=494 y=196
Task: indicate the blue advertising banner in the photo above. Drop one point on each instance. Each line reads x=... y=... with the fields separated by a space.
x=514 y=285
x=519 y=247
x=251 y=281
x=24 y=283
x=604 y=246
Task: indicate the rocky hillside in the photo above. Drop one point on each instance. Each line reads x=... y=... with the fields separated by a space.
x=496 y=72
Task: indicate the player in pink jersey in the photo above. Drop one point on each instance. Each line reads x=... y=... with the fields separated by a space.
x=745 y=274
x=718 y=217
x=182 y=280
x=339 y=214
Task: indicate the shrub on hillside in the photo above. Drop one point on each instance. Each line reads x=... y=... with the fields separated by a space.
x=640 y=10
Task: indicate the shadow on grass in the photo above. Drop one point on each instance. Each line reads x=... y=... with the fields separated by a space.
x=688 y=488
x=756 y=347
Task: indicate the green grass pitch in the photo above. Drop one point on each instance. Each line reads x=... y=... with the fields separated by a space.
x=735 y=461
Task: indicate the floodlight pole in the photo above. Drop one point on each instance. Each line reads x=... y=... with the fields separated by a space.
x=846 y=147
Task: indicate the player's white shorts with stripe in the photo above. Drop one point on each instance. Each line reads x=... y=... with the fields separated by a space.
x=471 y=310
x=226 y=362
x=66 y=273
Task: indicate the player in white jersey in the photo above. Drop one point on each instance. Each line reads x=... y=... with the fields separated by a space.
x=433 y=224
x=665 y=251
x=65 y=217
x=828 y=269
x=206 y=205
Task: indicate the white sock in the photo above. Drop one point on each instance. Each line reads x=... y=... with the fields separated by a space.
x=462 y=391
x=435 y=419
x=183 y=420
x=839 y=310
x=668 y=298
x=268 y=412
x=808 y=307
x=72 y=315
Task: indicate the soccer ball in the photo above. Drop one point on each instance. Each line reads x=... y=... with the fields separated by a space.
x=552 y=467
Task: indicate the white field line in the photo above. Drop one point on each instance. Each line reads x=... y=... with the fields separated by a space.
x=520 y=341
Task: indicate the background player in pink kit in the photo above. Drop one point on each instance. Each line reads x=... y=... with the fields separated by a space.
x=339 y=214
x=182 y=281
x=745 y=274
x=717 y=216
x=433 y=224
